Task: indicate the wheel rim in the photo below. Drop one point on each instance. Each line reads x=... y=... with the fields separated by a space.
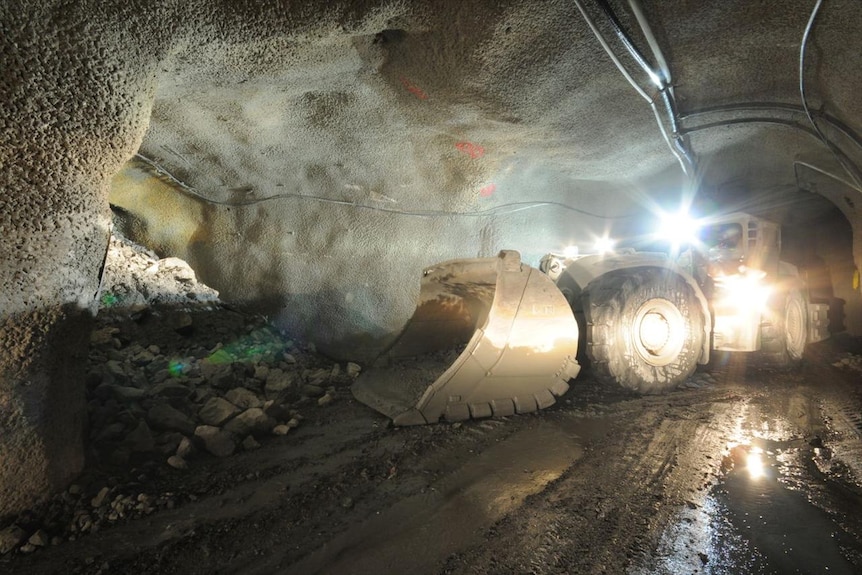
x=794 y=324
x=658 y=332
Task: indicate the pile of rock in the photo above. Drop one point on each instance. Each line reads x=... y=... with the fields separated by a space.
x=151 y=409
x=849 y=361
x=236 y=381
x=136 y=276
x=76 y=512
x=218 y=400
x=174 y=379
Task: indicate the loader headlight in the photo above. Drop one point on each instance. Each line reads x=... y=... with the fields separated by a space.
x=744 y=291
x=678 y=228
x=570 y=251
x=604 y=245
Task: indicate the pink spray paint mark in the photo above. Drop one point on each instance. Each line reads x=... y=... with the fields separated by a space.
x=470 y=149
x=414 y=89
x=488 y=191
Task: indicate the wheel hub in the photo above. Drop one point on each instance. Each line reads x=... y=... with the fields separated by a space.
x=654 y=332
x=658 y=332
x=794 y=325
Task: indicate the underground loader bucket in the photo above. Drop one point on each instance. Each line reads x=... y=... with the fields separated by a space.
x=489 y=337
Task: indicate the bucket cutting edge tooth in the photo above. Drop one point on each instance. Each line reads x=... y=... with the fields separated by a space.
x=489 y=337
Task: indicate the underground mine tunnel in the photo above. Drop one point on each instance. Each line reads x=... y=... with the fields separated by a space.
x=217 y=218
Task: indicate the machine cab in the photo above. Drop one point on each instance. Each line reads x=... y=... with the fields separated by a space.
x=740 y=239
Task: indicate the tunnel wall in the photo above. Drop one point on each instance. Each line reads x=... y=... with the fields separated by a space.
x=83 y=83
x=73 y=110
x=325 y=152
x=321 y=168
x=333 y=153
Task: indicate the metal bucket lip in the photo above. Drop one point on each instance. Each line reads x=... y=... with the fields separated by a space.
x=506 y=296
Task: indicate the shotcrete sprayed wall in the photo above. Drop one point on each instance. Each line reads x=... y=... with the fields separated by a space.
x=252 y=101
x=313 y=173
x=73 y=109
x=343 y=276
x=310 y=158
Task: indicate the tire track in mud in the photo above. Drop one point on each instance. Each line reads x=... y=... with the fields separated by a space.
x=799 y=515
x=291 y=512
x=138 y=546
x=845 y=423
x=484 y=497
x=417 y=533
x=650 y=459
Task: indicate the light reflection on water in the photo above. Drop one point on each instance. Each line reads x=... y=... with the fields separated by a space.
x=754 y=464
x=787 y=532
x=757 y=518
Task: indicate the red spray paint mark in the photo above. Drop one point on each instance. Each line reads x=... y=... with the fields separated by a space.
x=470 y=149
x=414 y=89
x=488 y=191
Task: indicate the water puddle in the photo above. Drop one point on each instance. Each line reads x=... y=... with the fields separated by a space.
x=758 y=519
x=763 y=520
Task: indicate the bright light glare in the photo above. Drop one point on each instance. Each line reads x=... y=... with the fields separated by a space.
x=570 y=251
x=754 y=463
x=678 y=228
x=654 y=331
x=744 y=291
x=604 y=245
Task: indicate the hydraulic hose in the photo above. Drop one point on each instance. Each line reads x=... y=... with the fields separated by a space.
x=853 y=173
x=839 y=155
x=627 y=42
x=611 y=53
x=802 y=45
x=500 y=210
x=665 y=82
x=637 y=9
x=677 y=148
x=833 y=122
x=826 y=173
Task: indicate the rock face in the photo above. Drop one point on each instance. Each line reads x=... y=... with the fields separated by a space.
x=308 y=159
x=347 y=177
x=408 y=114
x=65 y=134
x=217 y=441
x=145 y=429
x=166 y=418
x=217 y=411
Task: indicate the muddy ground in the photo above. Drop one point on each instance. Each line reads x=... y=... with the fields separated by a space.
x=602 y=482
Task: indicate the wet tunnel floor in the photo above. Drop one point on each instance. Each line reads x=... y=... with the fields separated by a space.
x=761 y=524
x=743 y=470
x=762 y=517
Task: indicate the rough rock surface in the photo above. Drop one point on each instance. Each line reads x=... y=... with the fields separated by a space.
x=217 y=411
x=605 y=481
x=135 y=276
x=314 y=157
x=149 y=403
x=315 y=182
x=850 y=361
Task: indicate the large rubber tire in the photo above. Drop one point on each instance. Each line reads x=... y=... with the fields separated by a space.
x=645 y=329
x=784 y=331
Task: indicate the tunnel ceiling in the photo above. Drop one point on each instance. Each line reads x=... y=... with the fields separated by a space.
x=310 y=158
x=465 y=105
x=284 y=120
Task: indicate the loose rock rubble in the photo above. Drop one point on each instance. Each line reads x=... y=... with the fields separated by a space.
x=135 y=276
x=174 y=379
x=699 y=379
x=849 y=361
